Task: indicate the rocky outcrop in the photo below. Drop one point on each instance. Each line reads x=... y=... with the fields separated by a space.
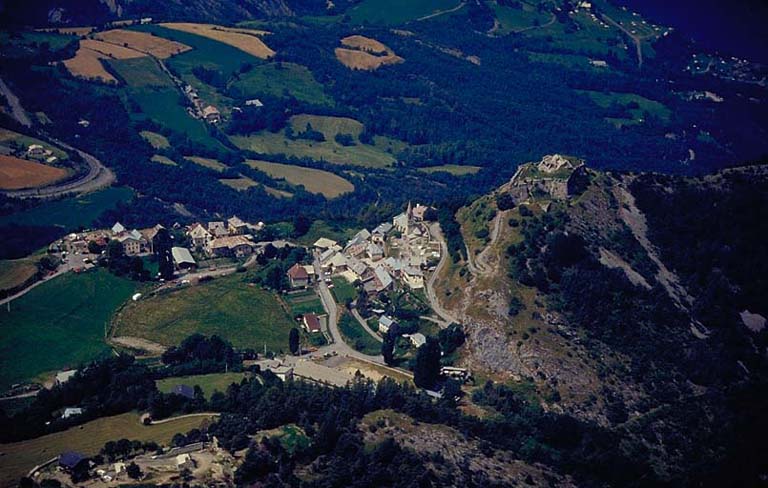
x=554 y=177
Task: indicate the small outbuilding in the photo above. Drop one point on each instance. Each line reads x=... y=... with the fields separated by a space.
x=182 y=258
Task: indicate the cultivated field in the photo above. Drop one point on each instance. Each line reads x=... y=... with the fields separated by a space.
x=16 y=173
x=143 y=42
x=278 y=78
x=454 y=169
x=209 y=383
x=158 y=141
x=19 y=457
x=207 y=162
x=239 y=38
x=59 y=323
x=245 y=315
x=313 y=180
x=364 y=53
x=87 y=60
x=239 y=184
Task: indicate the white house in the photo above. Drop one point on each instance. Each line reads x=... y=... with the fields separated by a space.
x=385 y=323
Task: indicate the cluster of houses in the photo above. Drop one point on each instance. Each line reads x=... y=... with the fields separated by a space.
x=199 y=109
x=400 y=250
x=231 y=238
x=40 y=153
x=134 y=242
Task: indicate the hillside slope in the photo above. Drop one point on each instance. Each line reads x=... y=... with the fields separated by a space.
x=636 y=301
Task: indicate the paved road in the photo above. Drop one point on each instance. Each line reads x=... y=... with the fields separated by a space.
x=443 y=12
x=434 y=230
x=97 y=177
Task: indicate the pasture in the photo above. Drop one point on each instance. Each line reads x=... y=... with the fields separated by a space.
x=454 y=169
x=17 y=44
x=89 y=438
x=377 y=155
x=276 y=79
x=157 y=141
x=242 y=39
x=245 y=315
x=391 y=12
x=314 y=180
x=60 y=323
x=636 y=106
x=17 y=173
x=209 y=383
x=143 y=42
x=141 y=72
x=517 y=19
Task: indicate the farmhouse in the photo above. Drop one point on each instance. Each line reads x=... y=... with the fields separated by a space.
x=413 y=277
x=378 y=281
x=298 y=276
x=199 y=235
x=237 y=246
x=416 y=339
x=149 y=236
x=117 y=229
x=217 y=228
x=182 y=258
x=71 y=412
x=311 y=323
x=324 y=243
x=385 y=323
x=235 y=226
x=64 y=376
x=133 y=242
x=211 y=114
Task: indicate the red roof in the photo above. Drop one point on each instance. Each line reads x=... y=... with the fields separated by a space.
x=312 y=322
x=297 y=272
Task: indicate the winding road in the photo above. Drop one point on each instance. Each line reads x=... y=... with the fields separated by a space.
x=97 y=177
x=434 y=230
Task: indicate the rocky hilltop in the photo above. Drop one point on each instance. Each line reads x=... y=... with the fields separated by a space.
x=609 y=296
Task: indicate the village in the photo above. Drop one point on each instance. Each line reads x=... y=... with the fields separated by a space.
x=395 y=255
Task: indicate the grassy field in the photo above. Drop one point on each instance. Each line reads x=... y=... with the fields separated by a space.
x=321 y=228
x=59 y=323
x=19 y=457
x=246 y=316
x=141 y=72
x=313 y=180
x=26 y=43
x=70 y=213
x=513 y=20
x=454 y=169
x=158 y=141
x=21 y=141
x=643 y=106
x=15 y=272
x=378 y=155
x=357 y=337
x=343 y=291
x=277 y=79
x=209 y=383
x=301 y=303
x=392 y=12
